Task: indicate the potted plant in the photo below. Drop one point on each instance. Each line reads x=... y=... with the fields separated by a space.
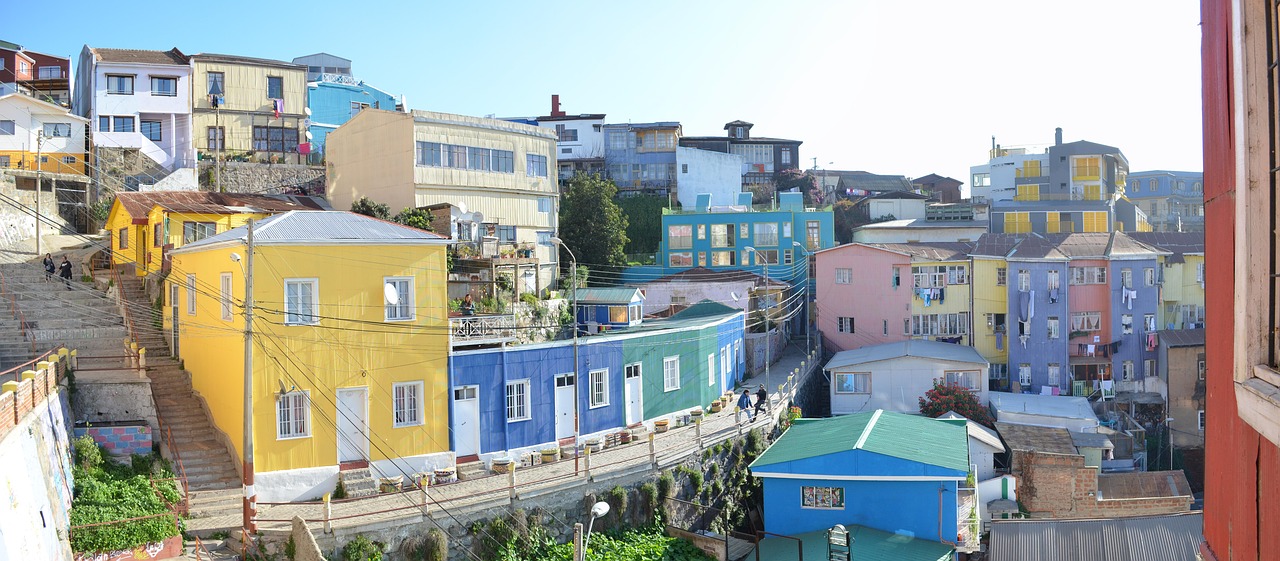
x=595 y=444
x=502 y=465
x=550 y=455
x=445 y=475
x=390 y=484
x=717 y=405
x=624 y=437
x=661 y=425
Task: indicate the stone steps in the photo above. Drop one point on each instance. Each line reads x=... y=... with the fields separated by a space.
x=358 y=482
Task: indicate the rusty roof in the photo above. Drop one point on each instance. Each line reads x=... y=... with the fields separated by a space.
x=1143 y=485
x=138 y=56
x=1029 y=438
x=929 y=251
x=139 y=204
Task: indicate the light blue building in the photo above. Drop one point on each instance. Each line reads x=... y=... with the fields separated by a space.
x=890 y=471
x=641 y=157
x=1173 y=200
x=334 y=96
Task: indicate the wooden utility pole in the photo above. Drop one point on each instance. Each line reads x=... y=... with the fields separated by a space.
x=39 y=170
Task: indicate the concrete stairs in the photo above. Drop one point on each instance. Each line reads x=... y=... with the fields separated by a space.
x=472 y=470
x=358 y=482
x=81 y=318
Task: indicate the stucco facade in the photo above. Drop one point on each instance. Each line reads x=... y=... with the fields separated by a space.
x=706 y=171
x=897 y=384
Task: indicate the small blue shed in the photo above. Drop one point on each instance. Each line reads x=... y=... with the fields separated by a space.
x=602 y=309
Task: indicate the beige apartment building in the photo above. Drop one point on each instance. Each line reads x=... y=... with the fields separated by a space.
x=248 y=109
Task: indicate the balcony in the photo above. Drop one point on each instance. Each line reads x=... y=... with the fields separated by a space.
x=494 y=329
x=968 y=522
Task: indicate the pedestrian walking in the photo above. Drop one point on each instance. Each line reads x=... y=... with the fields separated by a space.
x=744 y=407
x=49 y=267
x=762 y=400
x=64 y=271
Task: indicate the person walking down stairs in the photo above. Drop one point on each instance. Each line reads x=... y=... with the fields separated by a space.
x=64 y=271
x=48 y=267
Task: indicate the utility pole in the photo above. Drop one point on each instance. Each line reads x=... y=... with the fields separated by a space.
x=39 y=169
x=222 y=142
x=250 y=496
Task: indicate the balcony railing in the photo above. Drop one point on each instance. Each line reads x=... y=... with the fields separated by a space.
x=968 y=521
x=481 y=329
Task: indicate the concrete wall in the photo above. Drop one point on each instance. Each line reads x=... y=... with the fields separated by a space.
x=17 y=228
x=706 y=171
x=37 y=474
x=102 y=398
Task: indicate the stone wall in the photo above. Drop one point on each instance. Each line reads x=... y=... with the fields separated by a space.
x=18 y=228
x=102 y=397
x=251 y=177
x=304 y=542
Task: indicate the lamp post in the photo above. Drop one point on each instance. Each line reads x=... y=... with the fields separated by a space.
x=597 y=510
x=573 y=261
x=807 y=257
x=767 y=342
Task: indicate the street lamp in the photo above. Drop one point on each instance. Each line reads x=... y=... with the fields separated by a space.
x=573 y=261
x=597 y=510
x=807 y=257
x=767 y=342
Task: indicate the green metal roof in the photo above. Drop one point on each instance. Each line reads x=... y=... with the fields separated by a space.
x=612 y=295
x=868 y=545
x=909 y=437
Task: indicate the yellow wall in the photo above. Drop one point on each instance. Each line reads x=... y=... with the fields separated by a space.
x=320 y=358
x=53 y=161
x=372 y=155
x=142 y=247
x=989 y=298
x=956 y=298
x=246 y=100
x=1180 y=288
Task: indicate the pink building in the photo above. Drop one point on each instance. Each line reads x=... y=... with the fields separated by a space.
x=864 y=295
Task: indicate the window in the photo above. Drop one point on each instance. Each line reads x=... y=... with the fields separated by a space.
x=535 y=165
x=896 y=280
x=225 y=294
x=293 y=415
x=786 y=257
x=518 y=400
x=406 y=398
x=300 y=301
x=478 y=158
x=215 y=138
x=617 y=314
x=767 y=257
x=1126 y=324
x=1002 y=276
x=544 y=204
x=1086 y=321
x=196 y=231
x=566 y=134
x=506 y=234
x=1126 y=278
x=1055 y=374
x=123 y=235
x=957 y=274
x=711 y=369
x=152 y=130
x=844 y=276
x=1126 y=368
x=599 y=388
x=1200 y=274
x=275 y=87
x=118 y=84
x=680 y=236
x=68 y=159
x=821 y=497
x=427 y=153
x=1085 y=167
x=723 y=258
x=1017 y=222
x=1027 y=193
x=216 y=83
x=844 y=325
x=6 y=128
x=766 y=233
x=1053 y=327
x=1148 y=322
x=1200 y=419
x=786 y=156
x=158 y=239
x=358 y=106
x=401 y=288
x=164 y=86
x=940 y=324
x=275 y=139
x=702 y=231
x=618 y=140
x=813 y=234
x=1088 y=275
x=786 y=229
x=885 y=328
x=853 y=382
x=24 y=67
x=1149 y=368
x=122 y=124
x=57 y=130
x=722 y=235
x=1024 y=374
x=967 y=379
x=1149 y=276
x=1053 y=282
x=670 y=373
x=680 y=259
x=1024 y=280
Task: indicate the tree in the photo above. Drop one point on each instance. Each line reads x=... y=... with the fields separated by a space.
x=591 y=224
x=943 y=398
x=802 y=181
x=644 y=222
x=845 y=218
x=367 y=207
x=413 y=218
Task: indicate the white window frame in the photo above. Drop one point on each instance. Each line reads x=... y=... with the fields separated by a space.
x=1200 y=419
x=296 y=401
x=191 y=294
x=226 y=295
x=838 y=376
x=1024 y=280
x=406 y=400
x=1126 y=370
x=844 y=324
x=315 y=305
x=670 y=373
x=1054 y=325
x=967 y=379
x=844 y=276
x=1149 y=367
x=1149 y=276
x=1024 y=374
x=1055 y=375
x=603 y=399
x=523 y=398
x=711 y=369
x=387 y=307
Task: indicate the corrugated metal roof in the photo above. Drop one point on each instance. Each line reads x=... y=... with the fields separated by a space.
x=1068 y=407
x=908 y=437
x=976 y=430
x=1174 y=242
x=930 y=251
x=320 y=226
x=1182 y=337
x=139 y=204
x=606 y=295
x=1090 y=440
x=911 y=347
x=1173 y=537
x=869 y=544
x=1143 y=484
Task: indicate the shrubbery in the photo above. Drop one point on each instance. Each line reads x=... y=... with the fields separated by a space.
x=107 y=491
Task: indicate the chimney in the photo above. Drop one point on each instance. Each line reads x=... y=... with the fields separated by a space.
x=1057 y=136
x=555 y=106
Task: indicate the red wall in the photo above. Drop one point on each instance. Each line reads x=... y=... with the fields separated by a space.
x=1242 y=470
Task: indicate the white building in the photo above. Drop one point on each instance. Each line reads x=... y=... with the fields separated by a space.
x=23 y=120
x=707 y=171
x=893 y=376
x=141 y=100
x=675 y=292
x=920 y=230
x=1059 y=411
x=995 y=180
x=984 y=444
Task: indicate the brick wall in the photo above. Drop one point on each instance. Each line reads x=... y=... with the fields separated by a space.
x=7 y=417
x=1061 y=486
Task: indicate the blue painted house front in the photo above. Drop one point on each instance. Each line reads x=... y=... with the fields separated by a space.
x=1037 y=282
x=889 y=471
x=601 y=309
x=335 y=99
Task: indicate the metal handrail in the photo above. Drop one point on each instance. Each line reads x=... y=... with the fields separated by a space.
x=17 y=312
x=167 y=434
x=19 y=369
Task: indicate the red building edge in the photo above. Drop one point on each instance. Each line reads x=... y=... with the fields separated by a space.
x=1242 y=468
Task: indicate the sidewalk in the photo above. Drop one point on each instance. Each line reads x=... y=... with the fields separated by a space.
x=787 y=365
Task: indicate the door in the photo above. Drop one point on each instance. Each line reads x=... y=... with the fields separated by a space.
x=174 y=293
x=140 y=236
x=353 y=440
x=466 y=420
x=632 y=388
x=564 y=405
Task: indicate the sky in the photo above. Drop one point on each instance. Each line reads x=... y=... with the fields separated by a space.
x=892 y=87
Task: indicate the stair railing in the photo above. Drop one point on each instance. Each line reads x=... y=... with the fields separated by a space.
x=17 y=312
x=125 y=313
x=181 y=471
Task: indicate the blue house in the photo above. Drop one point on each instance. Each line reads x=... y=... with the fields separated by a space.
x=641 y=157
x=1037 y=320
x=1173 y=200
x=602 y=309
x=334 y=96
x=516 y=399
x=893 y=472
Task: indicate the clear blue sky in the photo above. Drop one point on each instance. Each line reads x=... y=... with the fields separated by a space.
x=885 y=86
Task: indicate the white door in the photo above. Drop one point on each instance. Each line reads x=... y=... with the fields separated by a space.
x=634 y=395
x=564 y=405
x=353 y=441
x=466 y=420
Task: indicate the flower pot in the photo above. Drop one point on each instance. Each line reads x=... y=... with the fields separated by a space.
x=624 y=437
x=390 y=484
x=595 y=445
x=551 y=455
x=660 y=426
x=717 y=405
x=445 y=475
x=502 y=465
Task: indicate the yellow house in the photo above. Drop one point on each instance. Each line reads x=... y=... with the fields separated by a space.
x=248 y=108
x=350 y=345
x=142 y=226
x=1181 y=278
x=991 y=302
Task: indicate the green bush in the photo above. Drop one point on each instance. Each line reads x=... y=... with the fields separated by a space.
x=108 y=491
x=339 y=491
x=88 y=455
x=362 y=549
x=529 y=298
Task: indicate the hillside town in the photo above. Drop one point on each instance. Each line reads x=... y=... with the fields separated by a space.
x=260 y=308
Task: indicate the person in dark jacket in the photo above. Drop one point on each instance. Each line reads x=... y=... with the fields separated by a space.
x=762 y=400
x=64 y=271
x=744 y=406
x=48 y=267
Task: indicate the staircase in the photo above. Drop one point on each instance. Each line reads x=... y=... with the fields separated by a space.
x=358 y=482
x=36 y=316
x=212 y=479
